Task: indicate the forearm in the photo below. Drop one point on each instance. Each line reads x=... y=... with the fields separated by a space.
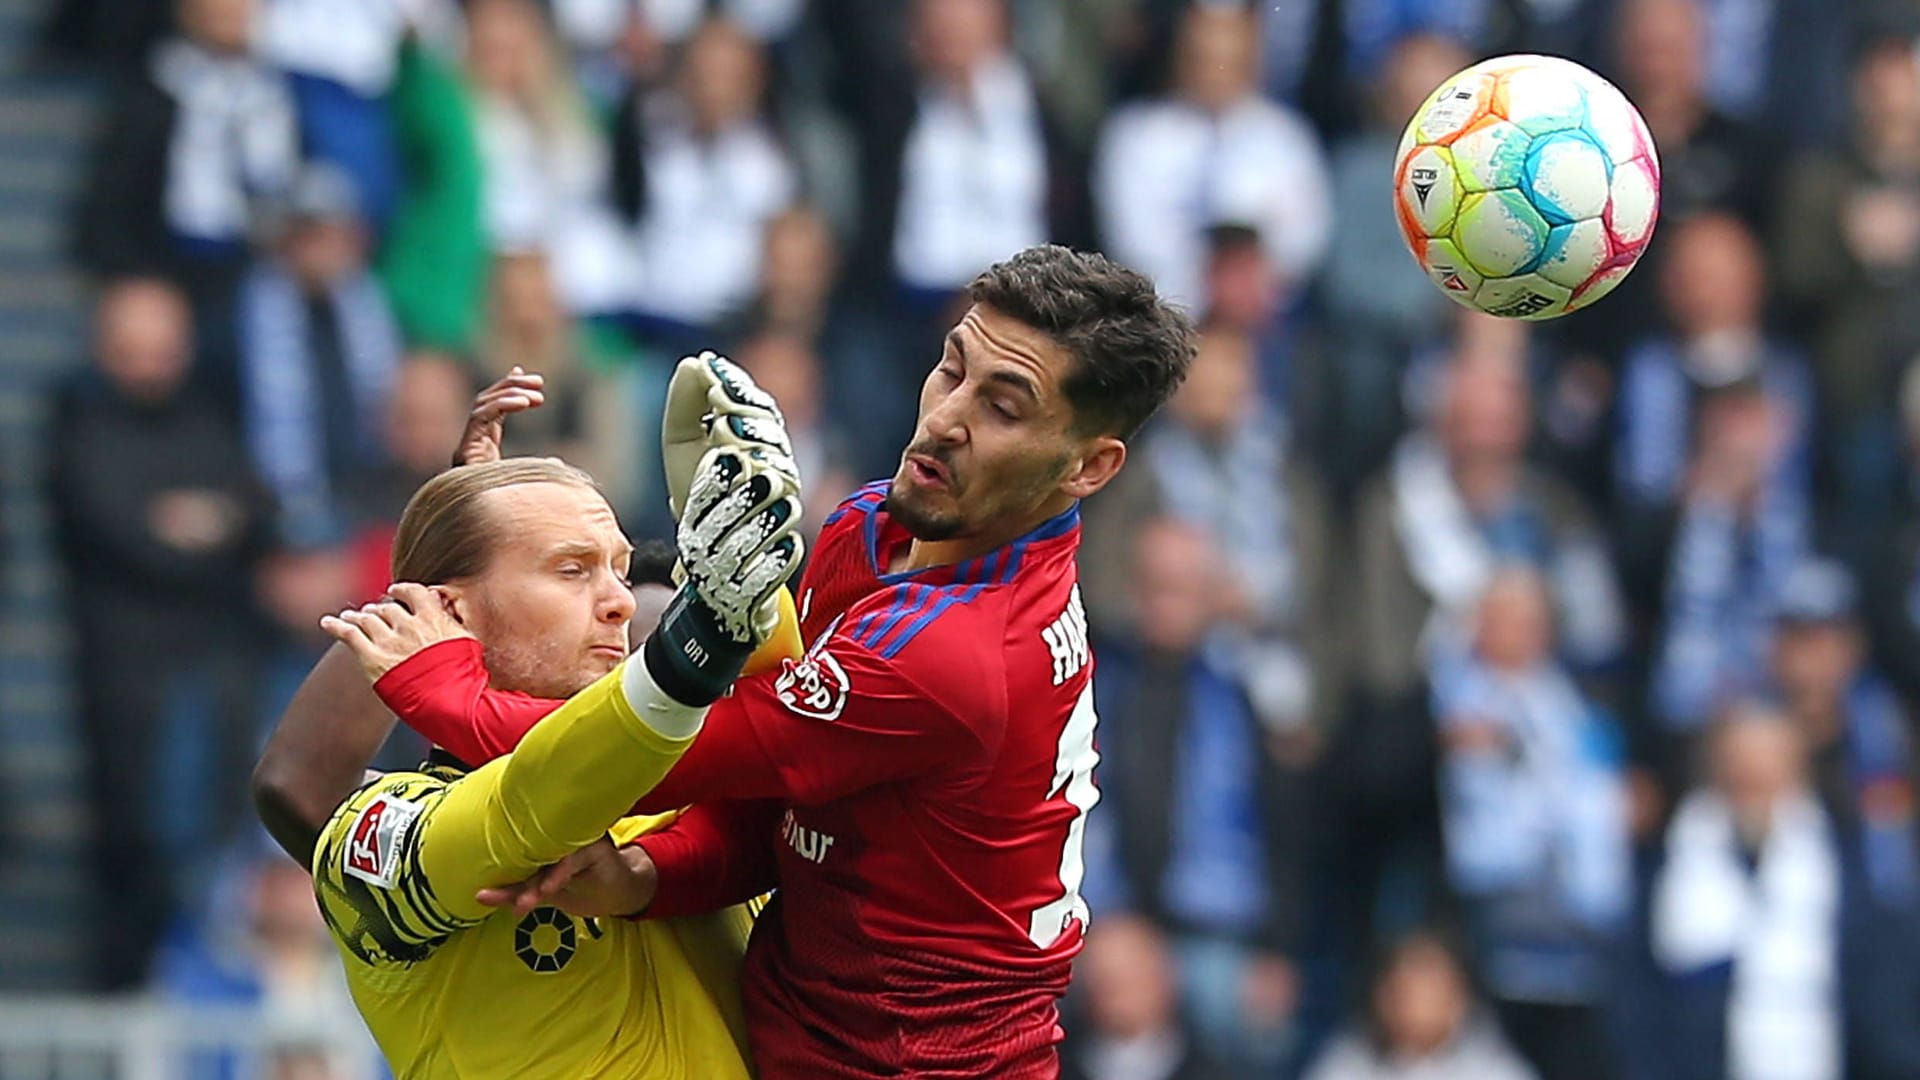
x=319 y=752
x=574 y=774
x=714 y=856
x=442 y=693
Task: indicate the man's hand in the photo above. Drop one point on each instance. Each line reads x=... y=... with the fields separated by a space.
x=519 y=391
x=388 y=631
x=738 y=544
x=712 y=403
x=598 y=881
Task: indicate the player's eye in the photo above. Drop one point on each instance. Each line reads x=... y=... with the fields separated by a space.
x=1005 y=412
x=948 y=371
x=572 y=570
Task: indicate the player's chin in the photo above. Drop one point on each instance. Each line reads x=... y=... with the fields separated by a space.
x=601 y=659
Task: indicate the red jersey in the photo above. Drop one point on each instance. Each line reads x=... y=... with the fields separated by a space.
x=931 y=764
x=916 y=787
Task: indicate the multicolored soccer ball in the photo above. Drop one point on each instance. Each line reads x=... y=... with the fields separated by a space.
x=1526 y=187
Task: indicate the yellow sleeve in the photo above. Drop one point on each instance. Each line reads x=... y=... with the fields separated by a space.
x=576 y=773
x=785 y=644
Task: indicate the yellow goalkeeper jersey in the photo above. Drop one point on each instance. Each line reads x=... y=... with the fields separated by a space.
x=451 y=989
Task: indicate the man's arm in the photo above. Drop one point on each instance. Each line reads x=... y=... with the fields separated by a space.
x=713 y=856
x=319 y=752
x=842 y=721
x=441 y=692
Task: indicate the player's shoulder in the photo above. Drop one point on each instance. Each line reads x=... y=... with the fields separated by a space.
x=366 y=875
x=865 y=500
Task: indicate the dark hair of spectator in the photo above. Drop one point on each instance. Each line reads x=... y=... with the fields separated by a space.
x=446 y=534
x=652 y=563
x=1130 y=349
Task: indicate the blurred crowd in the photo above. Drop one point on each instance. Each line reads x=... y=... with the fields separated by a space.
x=1479 y=700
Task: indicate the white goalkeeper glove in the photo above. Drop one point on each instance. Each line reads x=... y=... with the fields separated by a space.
x=738 y=544
x=712 y=403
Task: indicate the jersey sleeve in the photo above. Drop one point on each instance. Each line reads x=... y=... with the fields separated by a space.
x=842 y=719
x=572 y=777
x=712 y=856
x=442 y=693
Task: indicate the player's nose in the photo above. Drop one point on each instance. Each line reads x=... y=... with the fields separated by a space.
x=614 y=604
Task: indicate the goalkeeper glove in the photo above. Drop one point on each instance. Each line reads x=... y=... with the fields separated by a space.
x=711 y=402
x=738 y=543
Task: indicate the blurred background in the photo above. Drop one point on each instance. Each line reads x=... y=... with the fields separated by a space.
x=1478 y=701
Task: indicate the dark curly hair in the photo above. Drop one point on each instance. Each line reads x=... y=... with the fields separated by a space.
x=1130 y=348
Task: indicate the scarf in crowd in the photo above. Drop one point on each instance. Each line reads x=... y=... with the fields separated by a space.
x=1236 y=491
x=233 y=139
x=1777 y=924
x=1452 y=555
x=286 y=430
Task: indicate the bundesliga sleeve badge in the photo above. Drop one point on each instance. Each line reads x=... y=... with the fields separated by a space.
x=373 y=843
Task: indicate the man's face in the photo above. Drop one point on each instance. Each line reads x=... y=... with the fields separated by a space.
x=1817 y=660
x=995 y=435
x=552 y=607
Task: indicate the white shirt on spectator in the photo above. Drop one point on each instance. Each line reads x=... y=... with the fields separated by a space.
x=538 y=183
x=1167 y=171
x=353 y=42
x=708 y=203
x=973 y=179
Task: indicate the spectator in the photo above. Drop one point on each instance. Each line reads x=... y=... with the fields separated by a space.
x=698 y=169
x=1747 y=913
x=1779 y=63
x=432 y=395
x=158 y=521
x=786 y=366
x=544 y=160
x=1207 y=836
x=1534 y=808
x=318 y=350
x=1378 y=305
x=1739 y=532
x=1213 y=152
x=260 y=943
x=1709 y=161
x=198 y=135
x=960 y=165
x=1218 y=460
x=1854 y=728
x=799 y=269
x=1459 y=497
x=1713 y=292
x=963 y=167
x=1849 y=256
x=1128 y=991
x=1422 y=1024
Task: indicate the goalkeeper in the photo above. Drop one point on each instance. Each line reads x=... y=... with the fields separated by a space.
x=399 y=862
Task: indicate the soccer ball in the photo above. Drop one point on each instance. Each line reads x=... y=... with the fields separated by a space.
x=1526 y=187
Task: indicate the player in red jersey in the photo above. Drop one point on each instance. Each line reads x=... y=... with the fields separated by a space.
x=917 y=786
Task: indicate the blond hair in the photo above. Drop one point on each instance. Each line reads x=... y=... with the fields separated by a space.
x=446 y=532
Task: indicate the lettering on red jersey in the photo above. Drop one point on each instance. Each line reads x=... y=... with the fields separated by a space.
x=373 y=842
x=810 y=844
x=1066 y=639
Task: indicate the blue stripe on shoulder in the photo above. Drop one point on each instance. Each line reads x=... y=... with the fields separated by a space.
x=868 y=497
x=912 y=599
x=949 y=596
